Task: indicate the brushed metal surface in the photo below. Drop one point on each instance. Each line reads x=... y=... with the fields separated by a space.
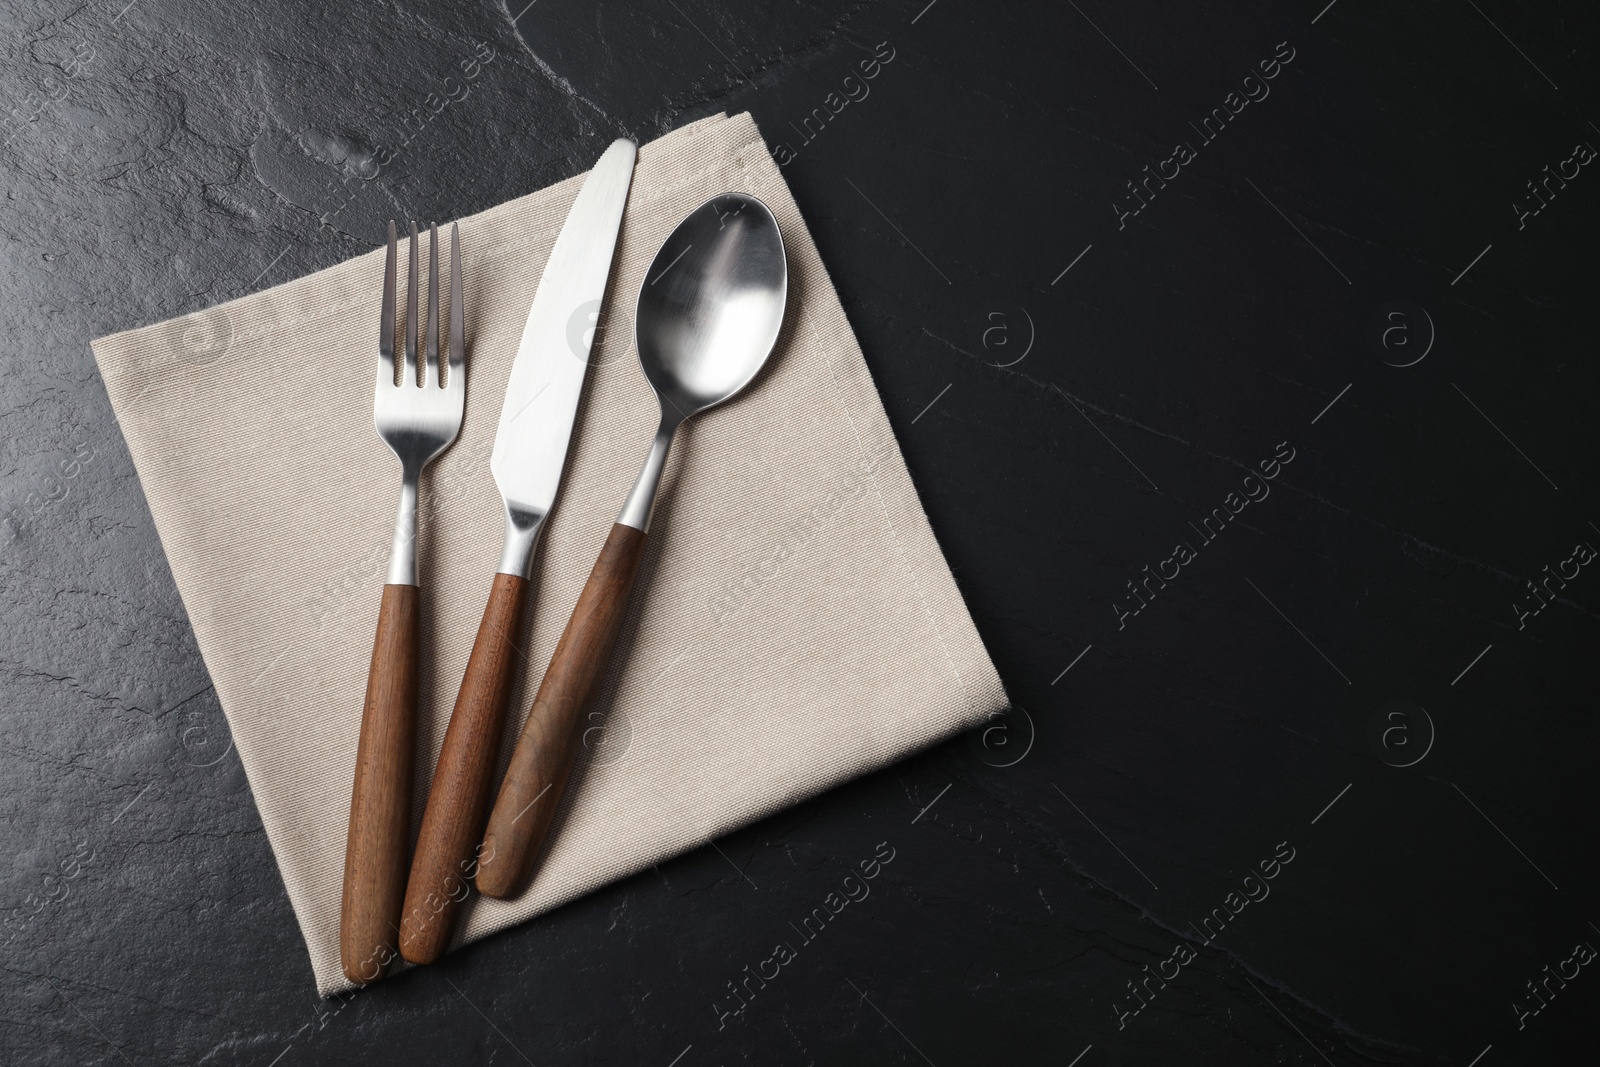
x=547 y=376
x=710 y=308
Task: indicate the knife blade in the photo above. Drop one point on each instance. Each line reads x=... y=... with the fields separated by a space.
x=530 y=447
x=530 y=451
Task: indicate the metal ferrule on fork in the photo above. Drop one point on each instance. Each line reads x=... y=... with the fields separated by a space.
x=403 y=551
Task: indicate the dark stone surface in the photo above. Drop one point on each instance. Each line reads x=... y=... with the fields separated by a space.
x=169 y=156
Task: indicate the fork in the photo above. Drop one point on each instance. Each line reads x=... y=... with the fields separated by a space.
x=418 y=419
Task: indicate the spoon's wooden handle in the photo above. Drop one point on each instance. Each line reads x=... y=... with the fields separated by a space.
x=380 y=801
x=453 y=820
x=543 y=756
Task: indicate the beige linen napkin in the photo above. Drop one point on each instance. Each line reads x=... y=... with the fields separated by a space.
x=794 y=624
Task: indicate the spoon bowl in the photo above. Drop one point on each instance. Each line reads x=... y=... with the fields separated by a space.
x=711 y=304
x=709 y=312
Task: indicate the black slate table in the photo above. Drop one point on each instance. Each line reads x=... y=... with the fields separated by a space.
x=1243 y=356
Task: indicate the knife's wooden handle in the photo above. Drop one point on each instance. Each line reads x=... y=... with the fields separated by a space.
x=380 y=802
x=543 y=756
x=452 y=823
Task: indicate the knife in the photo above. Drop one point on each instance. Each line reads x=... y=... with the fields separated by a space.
x=530 y=450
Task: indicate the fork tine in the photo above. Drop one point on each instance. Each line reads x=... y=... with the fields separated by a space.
x=411 y=314
x=458 y=341
x=386 y=327
x=431 y=366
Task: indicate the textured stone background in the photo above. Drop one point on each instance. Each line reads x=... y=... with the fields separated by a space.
x=1065 y=429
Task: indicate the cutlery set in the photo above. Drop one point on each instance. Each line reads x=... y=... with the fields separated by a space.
x=708 y=316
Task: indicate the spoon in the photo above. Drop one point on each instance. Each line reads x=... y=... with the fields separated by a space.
x=708 y=316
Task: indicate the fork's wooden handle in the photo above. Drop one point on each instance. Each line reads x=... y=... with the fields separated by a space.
x=543 y=756
x=452 y=823
x=380 y=802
